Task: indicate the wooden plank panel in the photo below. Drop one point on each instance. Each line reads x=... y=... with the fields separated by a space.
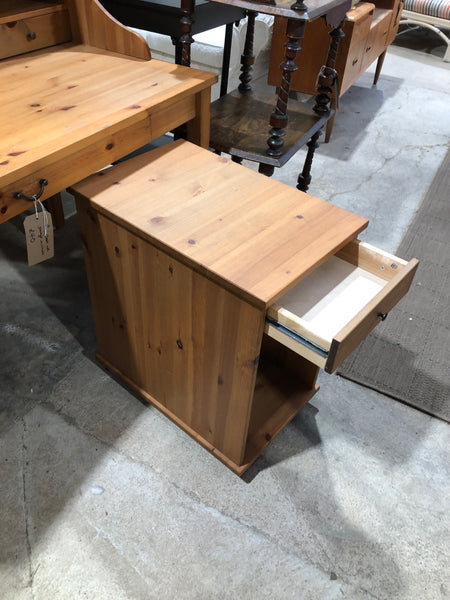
x=189 y=343
x=92 y=25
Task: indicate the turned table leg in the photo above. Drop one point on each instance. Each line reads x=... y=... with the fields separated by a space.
x=304 y=179
x=186 y=39
x=247 y=57
x=327 y=80
x=295 y=31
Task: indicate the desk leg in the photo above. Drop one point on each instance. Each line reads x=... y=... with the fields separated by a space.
x=198 y=128
x=55 y=208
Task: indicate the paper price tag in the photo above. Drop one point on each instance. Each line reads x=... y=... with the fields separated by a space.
x=40 y=245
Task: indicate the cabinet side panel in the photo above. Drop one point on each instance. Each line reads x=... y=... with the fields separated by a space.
x=186 y=341
x=106 y=301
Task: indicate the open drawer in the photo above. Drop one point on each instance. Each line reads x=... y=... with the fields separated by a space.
x=327 y=314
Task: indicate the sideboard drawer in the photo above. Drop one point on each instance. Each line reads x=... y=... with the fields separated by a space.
x=377 y=39
x=34 y=32
x=327 y=314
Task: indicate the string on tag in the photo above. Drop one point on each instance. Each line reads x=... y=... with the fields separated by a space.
x=44 y=212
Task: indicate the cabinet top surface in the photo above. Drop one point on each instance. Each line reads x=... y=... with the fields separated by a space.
x=252 y=234
x=54 y=100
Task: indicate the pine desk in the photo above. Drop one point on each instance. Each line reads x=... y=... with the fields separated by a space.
x=72 y=108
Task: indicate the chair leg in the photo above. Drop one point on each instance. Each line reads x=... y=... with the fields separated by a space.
x=304 y=179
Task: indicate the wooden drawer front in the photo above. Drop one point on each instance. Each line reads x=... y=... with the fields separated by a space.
x=33 y=33
x=377 y=39
x=92 y=155
x=361 y=18
x=329 y=313
x=353 y=68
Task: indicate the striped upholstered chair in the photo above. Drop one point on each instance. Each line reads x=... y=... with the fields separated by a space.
x=433 y=14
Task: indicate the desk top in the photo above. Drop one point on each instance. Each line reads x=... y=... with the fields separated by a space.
x=251 y=234
x=55 y=102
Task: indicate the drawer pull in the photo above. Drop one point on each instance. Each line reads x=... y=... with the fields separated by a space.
x=20 y=196
x=382 y=316
x=31 y=35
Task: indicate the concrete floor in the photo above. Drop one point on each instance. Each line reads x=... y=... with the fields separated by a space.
x=102 y=497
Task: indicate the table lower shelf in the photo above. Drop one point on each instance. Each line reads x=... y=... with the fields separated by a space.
x=240 y=125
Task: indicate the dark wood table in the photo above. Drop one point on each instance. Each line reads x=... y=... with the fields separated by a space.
x=252 y=123
x=179 y=19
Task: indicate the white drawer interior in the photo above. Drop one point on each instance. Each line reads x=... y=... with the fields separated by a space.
x=331 y=296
